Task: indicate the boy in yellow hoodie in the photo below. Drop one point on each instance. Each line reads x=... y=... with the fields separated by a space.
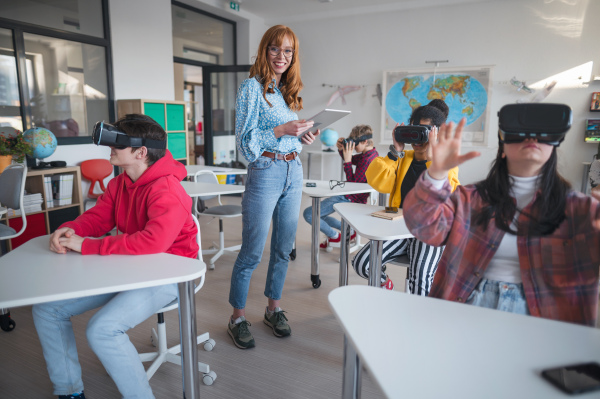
x=396 y=174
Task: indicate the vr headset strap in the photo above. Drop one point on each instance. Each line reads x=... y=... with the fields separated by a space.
x=149 y=143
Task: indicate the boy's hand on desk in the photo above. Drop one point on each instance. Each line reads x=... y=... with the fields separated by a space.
x=72 y=243
x=55 y=245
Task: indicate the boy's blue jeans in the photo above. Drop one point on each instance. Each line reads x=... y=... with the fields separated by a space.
x=106 y=335
x=273 y=192
x=328 y=223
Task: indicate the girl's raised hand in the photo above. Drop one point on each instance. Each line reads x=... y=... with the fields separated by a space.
x=446 y=150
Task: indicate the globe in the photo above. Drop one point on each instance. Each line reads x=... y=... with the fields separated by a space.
x=329 y=137
x=42 y=140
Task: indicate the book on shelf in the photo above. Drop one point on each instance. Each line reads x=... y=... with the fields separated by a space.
x=48 y=192
x=389 y=216
x=62 y=189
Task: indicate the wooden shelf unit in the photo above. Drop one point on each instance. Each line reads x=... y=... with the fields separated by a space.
x=171 y=115
x=48 y=220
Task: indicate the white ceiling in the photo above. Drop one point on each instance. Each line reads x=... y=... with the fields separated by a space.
x=282 y=11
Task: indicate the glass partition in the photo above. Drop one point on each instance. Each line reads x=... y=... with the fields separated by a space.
x=67 y=85
x=10 y=104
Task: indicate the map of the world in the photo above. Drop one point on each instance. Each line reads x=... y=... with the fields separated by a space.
x=466 y=93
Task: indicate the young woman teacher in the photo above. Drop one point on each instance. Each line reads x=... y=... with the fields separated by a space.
x=267 y=130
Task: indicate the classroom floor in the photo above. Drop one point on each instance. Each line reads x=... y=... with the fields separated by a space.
x=306 y=365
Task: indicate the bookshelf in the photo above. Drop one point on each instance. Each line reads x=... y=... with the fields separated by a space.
x=48 y=219
x=171 y=115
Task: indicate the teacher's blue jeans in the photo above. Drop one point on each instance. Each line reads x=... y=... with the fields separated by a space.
x=273 y=192
x=106 y=335
x=328 y=223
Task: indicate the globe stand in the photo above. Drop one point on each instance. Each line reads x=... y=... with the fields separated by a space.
x=33 y=164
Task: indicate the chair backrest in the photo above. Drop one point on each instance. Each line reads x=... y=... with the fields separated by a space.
x=12 y=182
x=96 y=170
x=175 y=303
x=207 y=176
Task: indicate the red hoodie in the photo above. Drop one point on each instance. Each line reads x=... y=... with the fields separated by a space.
x=154 y=214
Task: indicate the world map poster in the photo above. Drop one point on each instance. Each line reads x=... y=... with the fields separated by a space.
x=466 y=91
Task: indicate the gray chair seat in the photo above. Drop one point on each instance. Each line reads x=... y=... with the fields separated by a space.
x=6 y=231
x=223 y=210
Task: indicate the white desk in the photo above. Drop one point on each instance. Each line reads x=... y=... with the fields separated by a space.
x=377 y=230
x=219 y=170
x=431 y=348
x=322 y=190
x=201 y=189
x=32 y=274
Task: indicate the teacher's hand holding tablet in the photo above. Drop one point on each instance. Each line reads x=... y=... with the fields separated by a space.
x=296 y=128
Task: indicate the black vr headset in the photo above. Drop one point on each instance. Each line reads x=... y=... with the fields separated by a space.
x=358 y=139
x=412 y=134
x=548 y=123
x=108 y=135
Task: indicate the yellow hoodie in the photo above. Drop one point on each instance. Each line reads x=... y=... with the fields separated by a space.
x=381 y=175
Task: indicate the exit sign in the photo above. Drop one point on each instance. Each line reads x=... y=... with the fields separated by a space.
x=234 y=6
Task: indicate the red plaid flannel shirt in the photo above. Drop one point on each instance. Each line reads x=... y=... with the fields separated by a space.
x=362 y=162
x=559 y=271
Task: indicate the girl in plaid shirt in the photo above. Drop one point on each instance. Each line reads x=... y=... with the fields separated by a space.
x=520 y=241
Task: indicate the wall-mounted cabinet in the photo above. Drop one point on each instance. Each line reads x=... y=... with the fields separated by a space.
x=169 y=114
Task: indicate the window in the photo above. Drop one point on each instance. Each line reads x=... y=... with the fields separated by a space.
x=67 y=86
x=202 y=37
x=10 y=104
x=59 y=65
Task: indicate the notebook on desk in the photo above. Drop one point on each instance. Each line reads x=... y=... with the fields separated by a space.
x=386 y=215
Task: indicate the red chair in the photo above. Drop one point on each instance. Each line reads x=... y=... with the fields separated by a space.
x=95 y=170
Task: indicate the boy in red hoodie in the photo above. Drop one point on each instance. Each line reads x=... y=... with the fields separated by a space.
x=151 y=212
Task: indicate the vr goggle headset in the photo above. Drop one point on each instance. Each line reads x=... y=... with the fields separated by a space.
x=412 y=134
x=108 y=135
x=548 y=123
x=358 y=139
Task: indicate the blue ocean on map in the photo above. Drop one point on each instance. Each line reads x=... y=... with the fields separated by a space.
x=465 y=96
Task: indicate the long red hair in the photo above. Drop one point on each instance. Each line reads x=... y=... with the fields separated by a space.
x=290 y=84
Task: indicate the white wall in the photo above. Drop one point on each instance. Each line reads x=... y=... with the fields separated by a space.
x=530 y=39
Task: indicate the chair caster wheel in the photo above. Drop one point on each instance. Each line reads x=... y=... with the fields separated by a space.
x=209 y=378
x=6 y=323
x=209 y=345
x=293 y=254
x=316 y=281
x=211 y=266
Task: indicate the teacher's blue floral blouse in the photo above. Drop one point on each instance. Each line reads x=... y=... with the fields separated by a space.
x=255 y=120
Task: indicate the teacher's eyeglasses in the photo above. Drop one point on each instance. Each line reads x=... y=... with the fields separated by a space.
x=336 y=183
x=287 y=52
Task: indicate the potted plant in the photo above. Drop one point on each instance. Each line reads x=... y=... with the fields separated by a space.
x=15 y=148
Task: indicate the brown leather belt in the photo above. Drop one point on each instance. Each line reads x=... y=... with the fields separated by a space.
x=285 y=157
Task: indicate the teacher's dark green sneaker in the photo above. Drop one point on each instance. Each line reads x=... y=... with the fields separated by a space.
x=240 y=334
x=278 y=322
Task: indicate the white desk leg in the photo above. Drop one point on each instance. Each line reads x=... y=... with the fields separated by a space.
x=308 y=167
x=314 y=250
x=187 y=336
x=375 y=263
x=344 y=252
x=352 y=378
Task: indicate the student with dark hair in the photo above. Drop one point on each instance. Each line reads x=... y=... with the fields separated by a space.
x=267 y=130
x=361 y=141
x=396 y=174
x=521 y=240
x=151 y=212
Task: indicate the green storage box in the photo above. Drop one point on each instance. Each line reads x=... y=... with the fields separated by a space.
x=176 y=144
x=175 y=117
x=156 y=111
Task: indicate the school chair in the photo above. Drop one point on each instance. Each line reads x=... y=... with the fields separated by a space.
x=12 y=192
x=403 y=261
x=95 y=170
x=221 y=211
x=159 y=339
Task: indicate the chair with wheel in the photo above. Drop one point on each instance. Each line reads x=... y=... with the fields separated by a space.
x=12 y=192
x=221 y=211
x=159 y=337
x=95 y=170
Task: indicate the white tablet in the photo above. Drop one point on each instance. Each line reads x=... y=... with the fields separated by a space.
x=324 y=119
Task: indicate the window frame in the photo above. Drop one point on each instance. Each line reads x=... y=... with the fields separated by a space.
x=18 y=30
